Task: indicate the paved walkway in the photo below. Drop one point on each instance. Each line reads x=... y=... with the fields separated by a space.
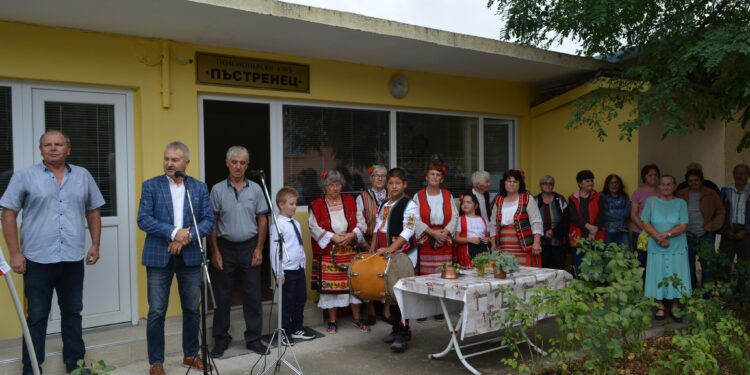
x=354 y=352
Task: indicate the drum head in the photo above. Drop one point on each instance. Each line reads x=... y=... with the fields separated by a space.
x=366 y=277
x=399 y=266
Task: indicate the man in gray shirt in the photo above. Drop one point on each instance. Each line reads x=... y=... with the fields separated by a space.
x=58 y=200
x=237 y=248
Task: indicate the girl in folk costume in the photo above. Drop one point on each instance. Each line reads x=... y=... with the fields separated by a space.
x=335 y=227
x=471 y=236
x=394 y=232
x=368 y=202
x=438 y=216
x=584 y=214
x=516 y=222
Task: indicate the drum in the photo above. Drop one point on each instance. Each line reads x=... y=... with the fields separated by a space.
x=372 y=277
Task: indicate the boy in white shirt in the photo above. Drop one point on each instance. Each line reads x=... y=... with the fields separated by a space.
x=293 y=280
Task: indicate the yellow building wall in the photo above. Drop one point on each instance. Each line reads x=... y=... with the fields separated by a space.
x=561 y=152
x=674 y=153
x=65 y=56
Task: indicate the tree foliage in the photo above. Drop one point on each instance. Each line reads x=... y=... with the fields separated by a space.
x=682 y=63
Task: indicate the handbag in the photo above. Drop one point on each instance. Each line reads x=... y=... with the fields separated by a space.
x=642 y=243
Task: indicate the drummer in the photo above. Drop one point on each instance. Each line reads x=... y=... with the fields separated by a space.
x=368 y=202
x=335 y=226
x=394 y=231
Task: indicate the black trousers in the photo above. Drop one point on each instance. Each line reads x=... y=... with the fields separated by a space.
x=294 y=296
x=236 y=257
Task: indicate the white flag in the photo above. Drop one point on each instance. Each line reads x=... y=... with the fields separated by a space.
x=4 y=267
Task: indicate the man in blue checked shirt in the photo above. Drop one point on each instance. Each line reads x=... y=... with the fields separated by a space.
x=171 y=248
x=57 y=200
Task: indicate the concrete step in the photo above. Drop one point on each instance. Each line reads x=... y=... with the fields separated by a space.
x=122 y=344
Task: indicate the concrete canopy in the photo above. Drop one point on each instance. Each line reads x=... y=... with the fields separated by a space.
x=290 y=29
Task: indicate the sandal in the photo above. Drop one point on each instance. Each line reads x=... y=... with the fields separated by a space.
x=659 y=316
x=361 y=325
x=332 y=329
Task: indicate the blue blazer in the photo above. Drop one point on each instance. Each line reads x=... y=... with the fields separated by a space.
x=156 y=217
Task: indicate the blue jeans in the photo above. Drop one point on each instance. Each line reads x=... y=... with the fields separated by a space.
x=66 y=278
x=710 y=238
x=159 y=281
x=622 y=238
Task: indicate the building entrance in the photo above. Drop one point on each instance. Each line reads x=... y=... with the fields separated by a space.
x=229 y=123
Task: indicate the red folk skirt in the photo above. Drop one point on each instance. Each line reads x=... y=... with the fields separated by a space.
x=330 y=272
x=430 y=258
x=508 y=241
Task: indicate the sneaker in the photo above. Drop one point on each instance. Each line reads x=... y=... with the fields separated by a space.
x=302 y=335
x=399 y=344
x=332 y=329
x=287 y=341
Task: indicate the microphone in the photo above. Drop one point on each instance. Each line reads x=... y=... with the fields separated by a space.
x=180 y=174
x=255 y=172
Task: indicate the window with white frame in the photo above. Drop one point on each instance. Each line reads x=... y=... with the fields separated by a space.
x=350 y=140
x=423 y=138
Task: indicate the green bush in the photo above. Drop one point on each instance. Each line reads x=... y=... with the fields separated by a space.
x=602 y=312
x=98 y=368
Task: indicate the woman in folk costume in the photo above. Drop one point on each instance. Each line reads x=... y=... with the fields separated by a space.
x=584 y=215
x=368 y=202
x=438 y=216
x=516 y=224
x=336 y=227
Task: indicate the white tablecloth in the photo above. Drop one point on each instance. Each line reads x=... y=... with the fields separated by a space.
x=481 y=310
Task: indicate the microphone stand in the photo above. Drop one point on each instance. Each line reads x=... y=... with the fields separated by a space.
x=279 y=335
x=208 y=362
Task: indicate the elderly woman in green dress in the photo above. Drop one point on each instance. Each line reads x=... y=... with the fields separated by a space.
x=665 y=219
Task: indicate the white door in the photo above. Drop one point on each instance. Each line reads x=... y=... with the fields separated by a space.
x=96 y=124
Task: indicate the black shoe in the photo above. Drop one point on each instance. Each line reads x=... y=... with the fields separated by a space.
x=421 y=320
x=257 y=347
x=399 y=344
x=371 y=320
x=390 y=338
x=218 y=350
x=439 y=317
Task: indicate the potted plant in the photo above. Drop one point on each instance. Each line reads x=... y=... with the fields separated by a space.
x=482 y=261
x=505 y=263
x=449 y=270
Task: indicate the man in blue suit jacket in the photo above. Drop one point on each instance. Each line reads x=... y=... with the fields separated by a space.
x=171 y=248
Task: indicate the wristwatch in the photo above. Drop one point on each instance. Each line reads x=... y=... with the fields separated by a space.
x=669 y=234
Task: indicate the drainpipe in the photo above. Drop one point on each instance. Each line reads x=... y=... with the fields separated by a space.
x=166 y=79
